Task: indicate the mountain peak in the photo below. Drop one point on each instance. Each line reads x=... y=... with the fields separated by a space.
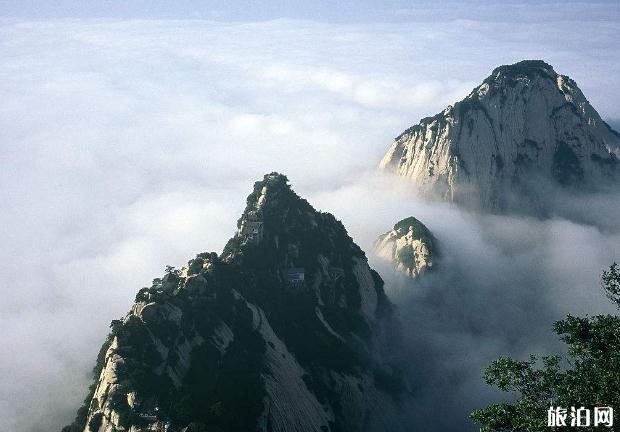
x=274 y=181
x=286 y=330
x=528 y=70
x=410 y=222
x=272 y=186
x=410 y=246
x=523 y=67
x=524 y=130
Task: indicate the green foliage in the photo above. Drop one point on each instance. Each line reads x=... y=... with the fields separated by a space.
x=611 y=283
x=511 y=74
x=589 y=375
x=171 y=270
x=118 y=402
x=143 y=295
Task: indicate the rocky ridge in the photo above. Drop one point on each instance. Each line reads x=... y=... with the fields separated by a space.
x=288 y=330
x=524 y=131
x=410 y=246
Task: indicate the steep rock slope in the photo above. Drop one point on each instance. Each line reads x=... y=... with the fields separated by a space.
x=523 y=131
x=287 y=330
x=410 y=246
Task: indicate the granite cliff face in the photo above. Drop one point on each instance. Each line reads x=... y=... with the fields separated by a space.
x=524 y=131
x=410 y=246
x=288 y=330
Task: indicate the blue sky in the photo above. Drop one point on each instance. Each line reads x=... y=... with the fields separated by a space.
x=319 y=10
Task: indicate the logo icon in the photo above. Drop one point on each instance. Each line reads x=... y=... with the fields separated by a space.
x=580 y=417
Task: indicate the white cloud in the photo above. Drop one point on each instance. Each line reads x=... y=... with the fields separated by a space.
x=129 y=145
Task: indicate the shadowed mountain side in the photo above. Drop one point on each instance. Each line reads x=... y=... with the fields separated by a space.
x=288 y=330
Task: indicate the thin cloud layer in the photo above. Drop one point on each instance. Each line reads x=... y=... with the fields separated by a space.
x=129 y=145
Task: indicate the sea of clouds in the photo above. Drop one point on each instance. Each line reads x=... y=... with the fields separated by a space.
x=129 y=145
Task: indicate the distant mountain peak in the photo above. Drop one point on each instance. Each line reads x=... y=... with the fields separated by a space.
x=410 y=247
x=526 y=72
x=523 y=131
x=523 y=68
